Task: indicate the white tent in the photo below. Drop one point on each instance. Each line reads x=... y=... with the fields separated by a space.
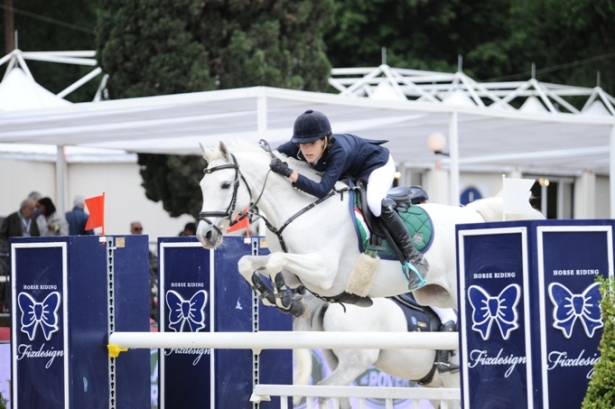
x=479 y=136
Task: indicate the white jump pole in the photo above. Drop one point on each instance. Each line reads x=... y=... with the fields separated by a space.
x=258 y=341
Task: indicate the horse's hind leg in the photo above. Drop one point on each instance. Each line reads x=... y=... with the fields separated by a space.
x=351 y=364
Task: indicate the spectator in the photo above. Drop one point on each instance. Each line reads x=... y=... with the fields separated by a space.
x=20 y=223
x=34 y=195
x=50 y=223
x=189 y=229
x=77 y=218
x=136 y=228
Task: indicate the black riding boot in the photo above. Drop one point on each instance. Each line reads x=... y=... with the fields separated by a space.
x=416 y=264
x=442 y=362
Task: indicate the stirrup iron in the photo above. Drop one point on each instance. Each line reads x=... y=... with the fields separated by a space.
x=415 y=279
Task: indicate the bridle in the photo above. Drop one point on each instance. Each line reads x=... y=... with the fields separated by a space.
x=204 y=216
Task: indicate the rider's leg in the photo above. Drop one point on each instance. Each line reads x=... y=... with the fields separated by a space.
x=378 y=185
x=448 y=320
x=416 y=265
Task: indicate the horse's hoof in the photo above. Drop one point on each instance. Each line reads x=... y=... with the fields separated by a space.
x=298 y=309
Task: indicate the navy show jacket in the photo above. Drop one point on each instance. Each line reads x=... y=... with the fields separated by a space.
x=349 y=156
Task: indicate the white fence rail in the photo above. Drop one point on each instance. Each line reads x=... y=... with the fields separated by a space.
x=258 y=341
x=446 y=396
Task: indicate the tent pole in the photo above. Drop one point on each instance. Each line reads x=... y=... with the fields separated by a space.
x=60 y=180
x=261 y=116
x=612 y=170
x=453 y=139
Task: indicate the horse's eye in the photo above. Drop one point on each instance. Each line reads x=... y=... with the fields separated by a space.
x=226 y=185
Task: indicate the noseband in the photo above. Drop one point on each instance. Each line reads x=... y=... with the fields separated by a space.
x=231 y=206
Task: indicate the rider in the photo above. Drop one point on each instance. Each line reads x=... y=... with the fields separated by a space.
x=345 y=155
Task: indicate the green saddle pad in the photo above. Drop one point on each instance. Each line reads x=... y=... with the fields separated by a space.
x=419 y=225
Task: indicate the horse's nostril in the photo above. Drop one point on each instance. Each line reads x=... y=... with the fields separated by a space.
x=208 y=235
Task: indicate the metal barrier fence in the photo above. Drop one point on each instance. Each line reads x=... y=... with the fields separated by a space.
x=446 y=396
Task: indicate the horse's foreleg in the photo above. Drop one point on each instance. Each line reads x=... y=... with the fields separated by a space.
x=281 y=296
x=248 y=267
x=308 y=267
x=294 y=263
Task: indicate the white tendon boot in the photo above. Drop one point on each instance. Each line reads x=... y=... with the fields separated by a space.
x=362 y=275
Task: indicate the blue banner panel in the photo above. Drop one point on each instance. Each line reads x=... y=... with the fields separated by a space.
x=569 y=260
x=132 y=311
x=233 y=313
x=493 y=297
x=224 y=380
x=185 y=306
x=39 y=336
x=63 y=292
x=88 y=322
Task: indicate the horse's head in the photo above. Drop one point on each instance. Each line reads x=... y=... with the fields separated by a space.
x=223 y=197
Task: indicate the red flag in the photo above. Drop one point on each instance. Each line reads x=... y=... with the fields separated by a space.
x=243 y=224
x=96 y=206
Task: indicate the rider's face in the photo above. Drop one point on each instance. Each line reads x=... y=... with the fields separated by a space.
x=314 y=150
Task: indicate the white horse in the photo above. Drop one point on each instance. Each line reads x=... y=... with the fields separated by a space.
x=347 y=364
x=319 y=247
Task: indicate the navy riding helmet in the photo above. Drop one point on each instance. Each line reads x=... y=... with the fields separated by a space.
x=310 y=126
x=418 y=195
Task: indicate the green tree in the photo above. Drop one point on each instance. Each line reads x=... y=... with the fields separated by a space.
x=601 y=388
x=155 y=47
x=496 y=38
x=419 y=34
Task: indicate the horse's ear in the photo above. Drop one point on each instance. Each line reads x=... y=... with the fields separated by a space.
x=224 y=150
x=207 y=153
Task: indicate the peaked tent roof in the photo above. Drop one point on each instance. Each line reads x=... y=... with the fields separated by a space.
x=18 y=91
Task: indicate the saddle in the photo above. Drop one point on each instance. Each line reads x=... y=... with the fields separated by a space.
x=416 y=219
x=401 y=196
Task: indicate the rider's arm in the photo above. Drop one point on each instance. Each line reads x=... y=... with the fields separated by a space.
x=333 y=173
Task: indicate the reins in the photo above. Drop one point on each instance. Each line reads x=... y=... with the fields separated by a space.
x=278 y=232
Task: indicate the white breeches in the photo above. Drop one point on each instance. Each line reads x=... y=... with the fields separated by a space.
x=378 y=185
x=445 y=314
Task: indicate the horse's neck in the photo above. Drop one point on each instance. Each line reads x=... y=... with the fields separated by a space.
x=278 y=201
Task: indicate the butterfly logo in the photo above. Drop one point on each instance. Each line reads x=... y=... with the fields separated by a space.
x=501 y=309
x=35 y=314
x=182 y=311
x=569 y=307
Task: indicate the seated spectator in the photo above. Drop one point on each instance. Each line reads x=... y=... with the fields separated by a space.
x=189 y=229
x=50 y=222
x=34 y=195
x=77 y=218
x=20 y=223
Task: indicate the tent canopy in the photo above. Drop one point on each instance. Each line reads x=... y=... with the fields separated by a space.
x=526 y=140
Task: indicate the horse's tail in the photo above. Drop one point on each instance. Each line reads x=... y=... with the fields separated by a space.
x=492 y=210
